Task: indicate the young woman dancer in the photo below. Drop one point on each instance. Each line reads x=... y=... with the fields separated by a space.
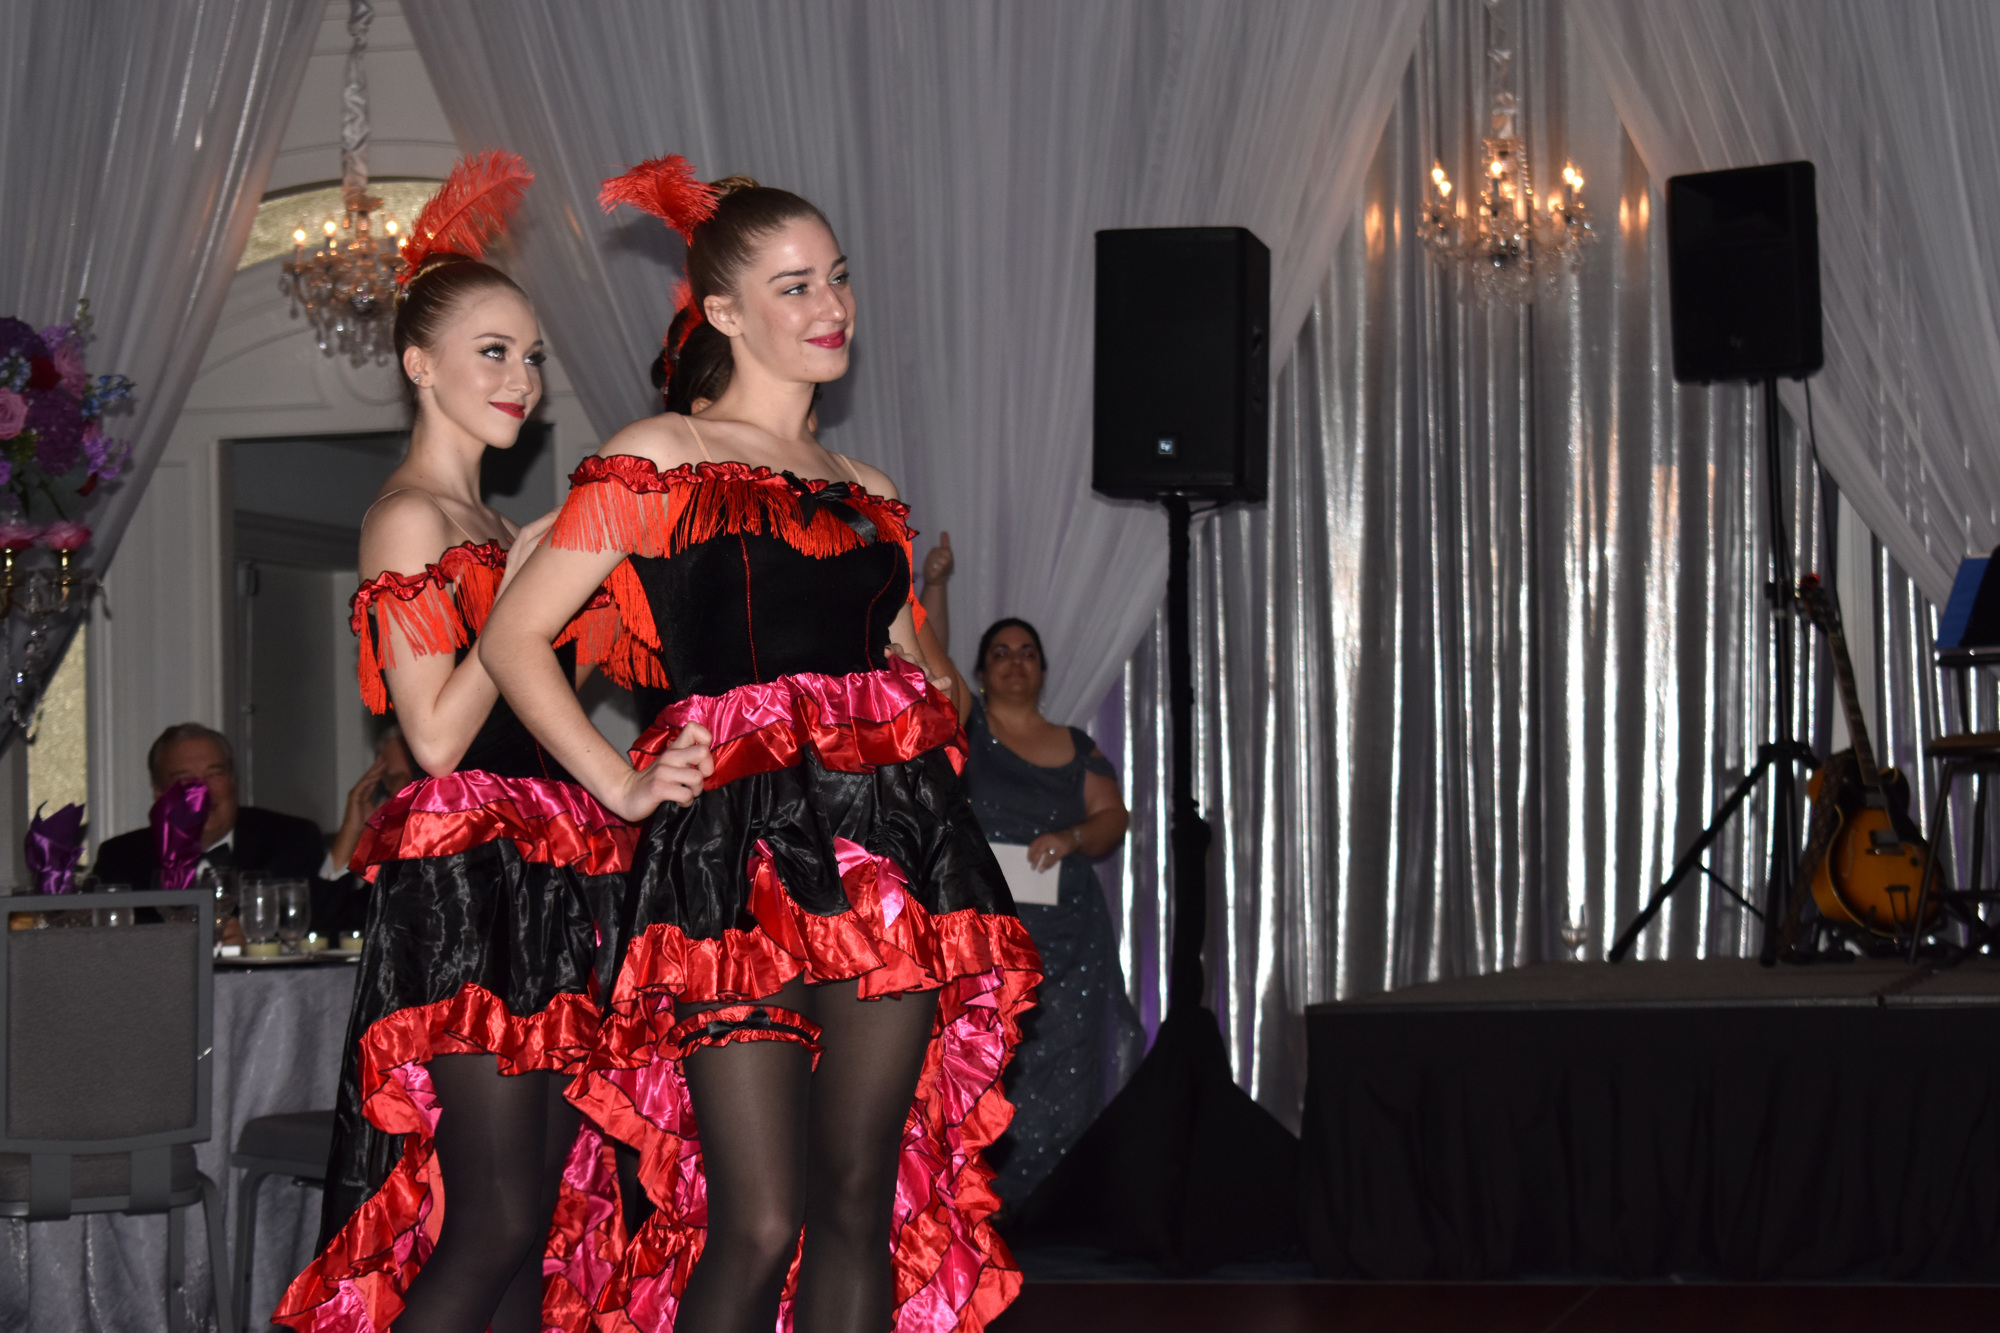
x=824 y=974
x=474 y=1002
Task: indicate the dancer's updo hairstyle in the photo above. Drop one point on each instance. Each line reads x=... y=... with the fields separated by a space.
x=720 y=248
x=722 y=222
x=441 y=286
x=700 y=369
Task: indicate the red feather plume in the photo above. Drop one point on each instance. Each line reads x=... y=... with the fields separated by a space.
x=684 y=300
x=469 y=209
x=667 y=188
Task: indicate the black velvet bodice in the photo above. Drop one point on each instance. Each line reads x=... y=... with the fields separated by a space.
x=741 y=608
x=503 y=745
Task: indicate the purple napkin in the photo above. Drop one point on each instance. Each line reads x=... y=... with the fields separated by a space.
x=177 y=819
x=54 y=844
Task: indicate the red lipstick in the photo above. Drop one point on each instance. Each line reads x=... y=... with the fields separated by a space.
x=832 y=342
x=514 y=410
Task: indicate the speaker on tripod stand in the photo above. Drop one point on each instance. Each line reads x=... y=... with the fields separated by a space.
x=1183 y=1167
x=1743 y=286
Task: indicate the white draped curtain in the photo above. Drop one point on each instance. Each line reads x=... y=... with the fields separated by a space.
x=965 y=153
x=135 y=139
x=1894 y=101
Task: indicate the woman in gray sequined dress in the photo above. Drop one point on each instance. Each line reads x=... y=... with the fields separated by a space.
x=1049 y=787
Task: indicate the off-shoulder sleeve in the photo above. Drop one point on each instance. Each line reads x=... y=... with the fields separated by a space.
x=437 y=611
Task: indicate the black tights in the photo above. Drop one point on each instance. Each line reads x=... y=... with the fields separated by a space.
x=501 y=1143
x=786 y=1147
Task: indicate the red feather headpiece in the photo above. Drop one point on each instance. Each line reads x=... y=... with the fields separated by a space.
x=468 y=211
x=667 y=188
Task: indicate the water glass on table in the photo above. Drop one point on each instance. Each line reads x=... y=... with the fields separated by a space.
x=258 y=911
x=112 y=916
x=294 y=913
x=220 y=883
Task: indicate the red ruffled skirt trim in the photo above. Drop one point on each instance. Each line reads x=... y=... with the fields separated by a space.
x=555 y=823
x=951 y=1270
x=357 y=1282
x=849 y=724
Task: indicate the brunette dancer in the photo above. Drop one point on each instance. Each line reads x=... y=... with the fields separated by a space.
x=473 y=1005
x=824 y=973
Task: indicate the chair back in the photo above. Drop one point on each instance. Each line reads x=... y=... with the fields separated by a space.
x=108 y=1037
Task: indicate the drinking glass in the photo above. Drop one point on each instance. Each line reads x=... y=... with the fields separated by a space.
x=294 y=912
x=258 y=910
x=219 y=882
x=113 y=916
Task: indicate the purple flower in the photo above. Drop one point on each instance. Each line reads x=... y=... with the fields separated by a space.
x=58 y=425
x=6 y=472
x=13 y=415
x=105 y=457
x=18 y=337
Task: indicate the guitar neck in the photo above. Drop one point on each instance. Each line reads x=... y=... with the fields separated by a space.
x=1850 y=703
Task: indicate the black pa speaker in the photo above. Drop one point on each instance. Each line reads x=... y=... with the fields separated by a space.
x=1743 y=273
x=1183 y=363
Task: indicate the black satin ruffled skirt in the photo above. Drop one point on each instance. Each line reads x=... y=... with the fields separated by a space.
x=474 y=951
x=695 y=869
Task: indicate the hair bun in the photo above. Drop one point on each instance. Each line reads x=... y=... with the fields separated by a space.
x=729 y=185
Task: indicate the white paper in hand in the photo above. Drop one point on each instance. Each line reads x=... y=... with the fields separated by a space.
x=1027 y=884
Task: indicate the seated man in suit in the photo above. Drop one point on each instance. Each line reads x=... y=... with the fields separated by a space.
x=253 y=841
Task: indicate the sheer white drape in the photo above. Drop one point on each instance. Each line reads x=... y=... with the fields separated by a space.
x=1894 y=101
x=966 y=153
x=135 y=139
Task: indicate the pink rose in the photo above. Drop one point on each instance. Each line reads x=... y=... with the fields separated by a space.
x=65 y=536
x=18 y=536
x=68 y=358
x=13 y=414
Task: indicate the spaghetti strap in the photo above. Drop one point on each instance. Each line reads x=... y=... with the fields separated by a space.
x=699 y=442
x=428 y=496
x=853 y=472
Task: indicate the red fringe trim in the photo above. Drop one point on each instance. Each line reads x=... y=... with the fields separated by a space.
x=438 y=610
x=951 y=1270
x=614 y=631
x=443 y=609
x=612 y=506
x=358 y=1281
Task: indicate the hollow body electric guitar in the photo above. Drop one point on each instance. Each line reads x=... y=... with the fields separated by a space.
x=1865 y=857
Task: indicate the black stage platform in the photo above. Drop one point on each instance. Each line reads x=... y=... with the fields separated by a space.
x=1644 y=1121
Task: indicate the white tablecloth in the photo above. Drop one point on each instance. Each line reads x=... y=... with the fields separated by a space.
x=278 y=1034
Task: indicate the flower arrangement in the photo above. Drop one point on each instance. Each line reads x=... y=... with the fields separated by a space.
x=53 y=449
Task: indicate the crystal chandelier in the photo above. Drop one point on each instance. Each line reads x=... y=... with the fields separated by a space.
x=1504 y=239
x=345 y=282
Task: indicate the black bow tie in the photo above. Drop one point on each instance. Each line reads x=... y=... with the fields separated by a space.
x=836 y=497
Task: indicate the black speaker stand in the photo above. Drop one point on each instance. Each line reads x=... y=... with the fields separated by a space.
x=1776 y=756
x=1183 y=1168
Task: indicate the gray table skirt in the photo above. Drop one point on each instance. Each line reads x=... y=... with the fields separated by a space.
x=278 y=1033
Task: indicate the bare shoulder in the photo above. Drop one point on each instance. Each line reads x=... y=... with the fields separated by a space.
x=874 y=478
x=665 y=441
x=404 y=532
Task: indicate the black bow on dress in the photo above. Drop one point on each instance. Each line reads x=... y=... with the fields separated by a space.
x=836 y=497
